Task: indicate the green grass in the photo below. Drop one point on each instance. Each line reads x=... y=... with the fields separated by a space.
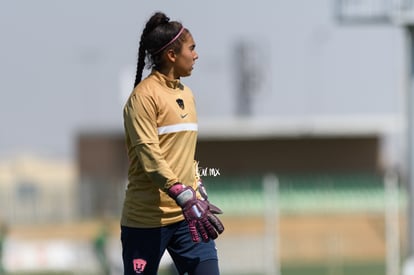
x=42 y=273
x=367 y=268
x=161 y=272
x=363 y=268
x=370 y=268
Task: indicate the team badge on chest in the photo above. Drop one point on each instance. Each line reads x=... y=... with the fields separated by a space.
x=180 y=103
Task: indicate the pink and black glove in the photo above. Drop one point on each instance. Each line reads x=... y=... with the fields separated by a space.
x=198 y=213
x=202 y=190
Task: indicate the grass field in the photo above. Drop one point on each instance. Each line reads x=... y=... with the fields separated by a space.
x=368 y=268
x=305 y=247
x=330 y=227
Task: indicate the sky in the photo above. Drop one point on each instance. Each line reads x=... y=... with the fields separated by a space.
x=67 y=66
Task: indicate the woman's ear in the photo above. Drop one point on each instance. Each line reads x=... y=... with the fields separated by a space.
x=171 y=55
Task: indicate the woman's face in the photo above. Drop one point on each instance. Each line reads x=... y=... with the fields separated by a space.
x=185 y=59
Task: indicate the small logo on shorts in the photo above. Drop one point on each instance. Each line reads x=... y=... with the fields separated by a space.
x=139 y=265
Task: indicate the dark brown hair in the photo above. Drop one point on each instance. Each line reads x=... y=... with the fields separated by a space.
x=158 y=32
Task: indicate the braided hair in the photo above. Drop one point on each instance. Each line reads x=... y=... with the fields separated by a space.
x=158 y=32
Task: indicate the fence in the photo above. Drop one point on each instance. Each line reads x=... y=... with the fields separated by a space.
x=29 y=203
x=294 y=224
x=327 y=224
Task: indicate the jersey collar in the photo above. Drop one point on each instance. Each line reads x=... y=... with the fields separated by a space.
x=170 y=83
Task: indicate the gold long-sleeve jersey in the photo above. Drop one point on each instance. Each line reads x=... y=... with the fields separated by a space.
x=160 y=123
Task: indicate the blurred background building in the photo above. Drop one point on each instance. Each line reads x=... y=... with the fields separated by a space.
x=289 y=88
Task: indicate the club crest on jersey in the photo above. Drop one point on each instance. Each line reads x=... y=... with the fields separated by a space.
x=139 y=265
x=180 y=103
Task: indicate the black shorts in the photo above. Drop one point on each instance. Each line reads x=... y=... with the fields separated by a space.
x=142 y=249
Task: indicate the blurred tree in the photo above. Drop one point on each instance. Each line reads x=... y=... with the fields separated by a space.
x=100 y=242
x=3 y=232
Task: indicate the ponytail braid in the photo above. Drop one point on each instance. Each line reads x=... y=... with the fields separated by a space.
x=141 y=63
x=157 y=33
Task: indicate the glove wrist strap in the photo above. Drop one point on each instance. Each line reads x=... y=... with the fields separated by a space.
x=184 y=197
x=181 y=194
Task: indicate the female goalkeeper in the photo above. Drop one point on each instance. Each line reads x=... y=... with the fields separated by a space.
x=165 y=207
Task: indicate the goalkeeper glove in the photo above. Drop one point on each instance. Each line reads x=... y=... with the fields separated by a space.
x=202 y=190
x=198 y=213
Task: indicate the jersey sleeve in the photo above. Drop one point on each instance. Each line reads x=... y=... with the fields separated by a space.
x=140 y=116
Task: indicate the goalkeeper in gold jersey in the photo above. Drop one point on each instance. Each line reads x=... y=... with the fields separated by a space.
x=165 y=207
